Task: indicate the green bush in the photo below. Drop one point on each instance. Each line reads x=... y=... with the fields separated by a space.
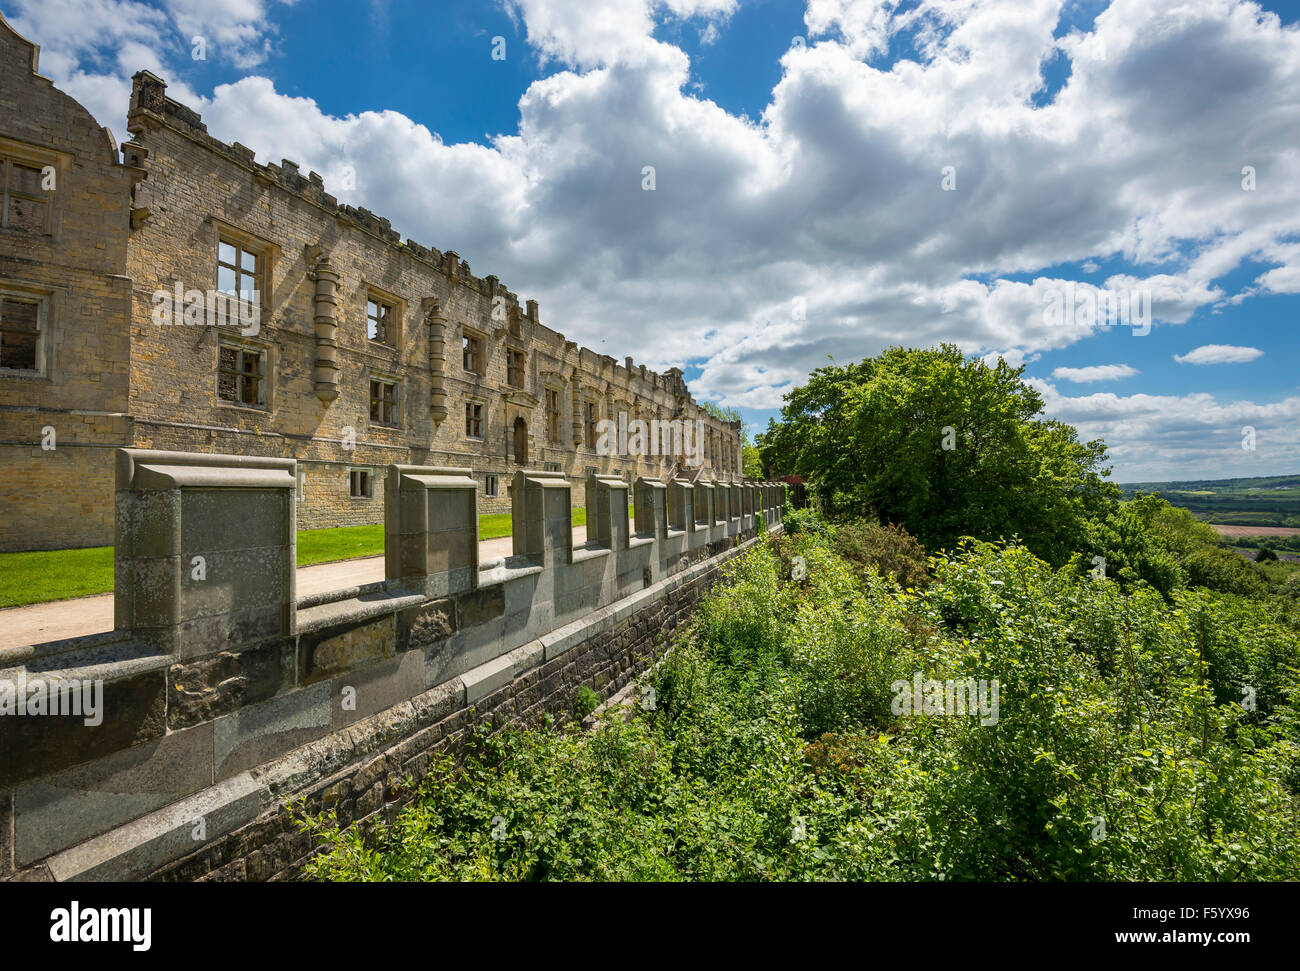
x=889 y=549
x=1136 y=738
x=1134 y=549
x=1224 y=571
x=586 y=702
x=806 y=520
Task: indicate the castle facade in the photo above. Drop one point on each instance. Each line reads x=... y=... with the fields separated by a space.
x=176 y=294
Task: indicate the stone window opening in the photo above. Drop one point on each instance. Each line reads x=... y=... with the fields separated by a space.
x=471 y=349
x=241 y=375
x=239 y=270
x=25 y=205
x=589 y=423
x=380 y=316
x=491 y=486
x=383 y=401
x=22 y=331
x=361 y=484
x=516 y=362
x=554 y=417
x=520 y=443
x=473 y=419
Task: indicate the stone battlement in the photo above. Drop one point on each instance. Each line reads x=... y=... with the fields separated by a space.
x=222 y=695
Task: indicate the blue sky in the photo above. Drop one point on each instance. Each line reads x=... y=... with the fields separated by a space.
x=799 y=149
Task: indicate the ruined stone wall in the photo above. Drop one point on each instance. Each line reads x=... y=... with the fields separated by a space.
x=199 y=191
x=124 y=230
x=66 y=255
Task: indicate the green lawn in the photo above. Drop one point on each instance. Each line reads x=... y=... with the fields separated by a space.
x=28 y=578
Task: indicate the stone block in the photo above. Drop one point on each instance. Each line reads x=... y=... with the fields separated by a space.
x=257 y=734
x=500 y=671
x=61 y=810
x=327 y=653
x=481 y=606
x=205 y=689
x=145 y=845
x=376 y=687
x=133 y=707
x=213 y=520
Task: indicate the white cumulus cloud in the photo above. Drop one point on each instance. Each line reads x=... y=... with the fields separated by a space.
x=1096 y=372
x=833 y=200
x=1219 y=354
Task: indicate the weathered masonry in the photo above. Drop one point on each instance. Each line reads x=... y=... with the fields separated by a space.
x=127 y=284
x=222 y=695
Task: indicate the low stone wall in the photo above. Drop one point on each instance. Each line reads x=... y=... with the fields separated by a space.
x=224 y=695
x=359 y=774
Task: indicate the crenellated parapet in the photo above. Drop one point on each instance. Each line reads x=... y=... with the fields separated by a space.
x=234 y=696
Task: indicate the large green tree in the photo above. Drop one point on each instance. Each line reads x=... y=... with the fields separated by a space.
x=943 y=445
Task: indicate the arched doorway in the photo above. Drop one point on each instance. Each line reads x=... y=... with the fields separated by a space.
x=521 y=441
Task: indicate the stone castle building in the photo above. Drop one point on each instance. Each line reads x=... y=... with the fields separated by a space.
x=128 y=281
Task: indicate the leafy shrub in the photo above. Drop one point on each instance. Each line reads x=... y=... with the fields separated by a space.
x=1135 y=550
x=1224 y=571
x=1136 y=746
x=586 y=702
x=1264 y=555
x=806 y=520
x=1122 y=749
x=890 y=549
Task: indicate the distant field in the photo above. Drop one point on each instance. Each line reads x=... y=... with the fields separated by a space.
x=1255 y=503
x=1235 y=531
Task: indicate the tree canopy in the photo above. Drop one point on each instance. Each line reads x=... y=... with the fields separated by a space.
x=944 y=445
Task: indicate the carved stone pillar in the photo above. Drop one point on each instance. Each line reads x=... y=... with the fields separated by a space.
x=577 y=408
x=325 y=307
x=437 y=360
x=611 y=412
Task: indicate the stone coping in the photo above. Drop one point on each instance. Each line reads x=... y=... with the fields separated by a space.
x=357 y=608
x=506 y=568
x=82 y=642
x=589 y=551
x=346 y=593
x=107 y=662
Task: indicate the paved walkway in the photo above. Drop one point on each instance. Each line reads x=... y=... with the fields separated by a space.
x=54 y=621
